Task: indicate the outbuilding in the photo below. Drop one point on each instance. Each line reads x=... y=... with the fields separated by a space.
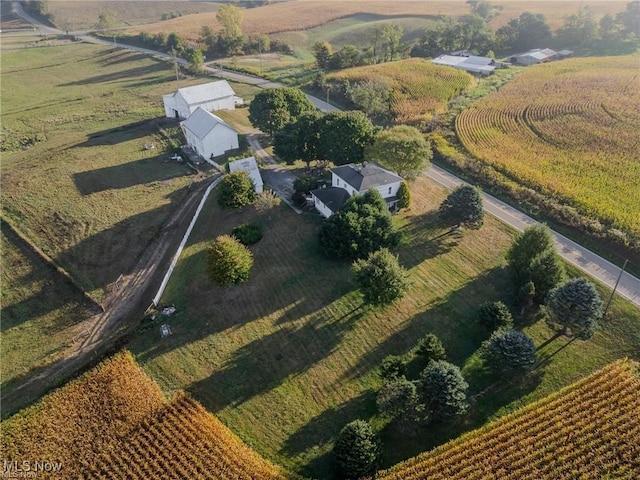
x=208 y=134
x=209 y=96
x=250 y=166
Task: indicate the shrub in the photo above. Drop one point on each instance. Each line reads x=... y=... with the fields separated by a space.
x=236 y=190
x=380 y=277
x=431 y=348
x=229 y=261
x=247 y=233
x=392 y=367
x=356 y=450
x=494 y=315
x=404 y=196
x=398 y=398
x=510 y=350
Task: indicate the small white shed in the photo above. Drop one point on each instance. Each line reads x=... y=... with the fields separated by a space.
x=210 y=96
x=250 y=166
x=208 y=134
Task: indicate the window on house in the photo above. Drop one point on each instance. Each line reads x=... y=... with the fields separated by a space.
x=389 y=190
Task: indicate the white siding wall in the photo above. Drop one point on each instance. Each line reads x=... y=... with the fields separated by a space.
x=384 y=191
x=227 y=103
x=218 y=141
x=321 y=207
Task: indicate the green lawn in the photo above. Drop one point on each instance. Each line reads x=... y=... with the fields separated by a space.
x=288 y=358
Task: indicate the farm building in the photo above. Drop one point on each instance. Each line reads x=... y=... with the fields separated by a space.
x=210 y=96
x=208 y=134
x=250 y=166
x=348 y=180
x=469 y=63
x=538 y=55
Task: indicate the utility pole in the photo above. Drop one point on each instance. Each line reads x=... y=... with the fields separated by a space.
x=175 y=64
x=614 y=288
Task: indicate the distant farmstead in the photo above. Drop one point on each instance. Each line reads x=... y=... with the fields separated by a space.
x=208 y=134
x=468 y=63
x=349 y=180
x=209 y=96
x=539 y=55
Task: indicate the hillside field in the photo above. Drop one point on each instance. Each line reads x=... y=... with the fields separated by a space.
x=113 y=422
x=302 y=15
x=419 y=88
x=290 y=357
x=570 y=129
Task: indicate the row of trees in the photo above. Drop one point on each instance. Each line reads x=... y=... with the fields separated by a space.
x=529 y=30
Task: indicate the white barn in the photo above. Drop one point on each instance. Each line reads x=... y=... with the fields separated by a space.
x=250 y=166
x=208 y=134
x=469 y=63
x=348 y=180
x=210 y=96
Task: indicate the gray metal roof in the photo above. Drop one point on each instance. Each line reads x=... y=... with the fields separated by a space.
x=205 y=92
x=364 y=177
x=201 y=122
x=333 y=197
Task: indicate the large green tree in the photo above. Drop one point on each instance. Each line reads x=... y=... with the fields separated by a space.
x=270 y=110
x=356 y=450
x=230 y=37
x=402 y=149
x=300 y=140
x=463 y=207
x=344 y=136
x=510 y=350
x=322 y=53
x=529 y=30
x=532 y=257
x=399 y=399
x=361 y=227
x=228 y=261
x=380 y=277
x=444 y=390
x=574 y=308
x=236 y=190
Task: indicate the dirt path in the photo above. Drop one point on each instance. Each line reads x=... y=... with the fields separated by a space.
x=124 y=308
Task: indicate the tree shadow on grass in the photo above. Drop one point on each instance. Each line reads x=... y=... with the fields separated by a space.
x=264 y=363
x=424 y=238
x=122 y=75
x=324 y=429
x=452 y=319
x=125 y=133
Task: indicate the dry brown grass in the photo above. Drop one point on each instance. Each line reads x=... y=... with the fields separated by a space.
x=303 y=15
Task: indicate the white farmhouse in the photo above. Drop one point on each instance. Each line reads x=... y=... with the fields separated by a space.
x=348 y=180
x=210 y=96
x=250 y=166
x=208 y=134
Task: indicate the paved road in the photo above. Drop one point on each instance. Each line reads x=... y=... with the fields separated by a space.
x=584 y=259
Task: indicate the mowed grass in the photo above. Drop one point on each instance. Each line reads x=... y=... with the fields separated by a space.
x=570 y=129
x=77 y=179
x=292 y=16
x=288 y=358
x=41 y=312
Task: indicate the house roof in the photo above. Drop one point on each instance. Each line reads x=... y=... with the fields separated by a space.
x=333 y=197
x=201 y=122
x=537 y=53
x=365 y=177
x=205 y=92
x=248 y=165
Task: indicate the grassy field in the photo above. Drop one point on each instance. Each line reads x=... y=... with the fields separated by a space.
x=41 y=312
x=302 y=15
x=97 y=425
x=76 y=175
x=288 y=358
x=578 y=140
x=600 y=415
x=419 y=89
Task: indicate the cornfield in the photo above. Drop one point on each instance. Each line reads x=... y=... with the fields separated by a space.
x=114 y=423
x=569 y=129
x=589 y=430
x=419 y=88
